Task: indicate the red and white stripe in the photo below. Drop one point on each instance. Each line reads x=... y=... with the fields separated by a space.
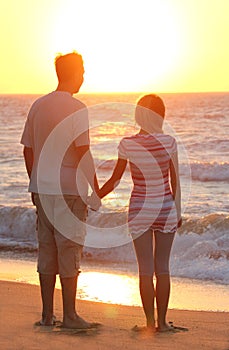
x=151 y=203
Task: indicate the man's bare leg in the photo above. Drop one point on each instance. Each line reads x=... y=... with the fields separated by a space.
x=70 y=318
x=47 y=284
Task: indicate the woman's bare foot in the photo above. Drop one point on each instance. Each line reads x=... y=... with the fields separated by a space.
x=144 y=329
x=165 y=328
x=171 y=328
x=150 y=324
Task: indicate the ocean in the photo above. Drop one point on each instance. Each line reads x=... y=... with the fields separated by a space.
x=200 y=123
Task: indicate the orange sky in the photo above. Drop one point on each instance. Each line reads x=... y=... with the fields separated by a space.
x=127 y=45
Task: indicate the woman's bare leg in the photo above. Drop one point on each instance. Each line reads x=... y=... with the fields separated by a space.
x=147 y=297
x=163 y=245
x=162 y=300
x=144 y=253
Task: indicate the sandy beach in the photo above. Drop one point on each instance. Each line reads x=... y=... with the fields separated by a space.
x=20 y=309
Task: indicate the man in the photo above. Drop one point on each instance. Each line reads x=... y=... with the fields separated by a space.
x=60 y=167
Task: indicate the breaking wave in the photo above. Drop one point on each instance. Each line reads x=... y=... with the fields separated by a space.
x=200 y=250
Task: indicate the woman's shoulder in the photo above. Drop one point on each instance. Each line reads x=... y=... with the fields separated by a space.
x=166 y=137
x=126 y=138
x=128 y=142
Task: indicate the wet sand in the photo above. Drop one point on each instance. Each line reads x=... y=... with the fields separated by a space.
x=20 y=307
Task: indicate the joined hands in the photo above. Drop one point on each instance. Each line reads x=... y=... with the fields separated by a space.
x=94 y=202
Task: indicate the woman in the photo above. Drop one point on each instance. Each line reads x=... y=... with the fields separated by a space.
x=155 y=204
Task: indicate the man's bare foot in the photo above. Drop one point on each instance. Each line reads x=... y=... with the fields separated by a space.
x=77 y=322
x=47 y=321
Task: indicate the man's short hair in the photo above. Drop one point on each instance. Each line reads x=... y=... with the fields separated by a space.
x=67 y=65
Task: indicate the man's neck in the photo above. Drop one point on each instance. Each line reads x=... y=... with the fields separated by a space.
x=65 y=88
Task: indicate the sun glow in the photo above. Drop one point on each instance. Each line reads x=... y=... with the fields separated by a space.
x=131 y=45
x=123 y=45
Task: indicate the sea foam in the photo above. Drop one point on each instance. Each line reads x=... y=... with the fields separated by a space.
x=200 y=249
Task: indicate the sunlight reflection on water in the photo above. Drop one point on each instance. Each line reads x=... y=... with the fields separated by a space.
x=119 y=287
x=109 y=288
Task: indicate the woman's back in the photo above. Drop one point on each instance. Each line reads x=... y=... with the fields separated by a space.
x=149 y=156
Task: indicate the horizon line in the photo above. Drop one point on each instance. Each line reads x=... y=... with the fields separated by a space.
x=119 y=92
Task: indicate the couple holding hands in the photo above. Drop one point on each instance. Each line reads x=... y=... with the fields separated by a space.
x=154 y=212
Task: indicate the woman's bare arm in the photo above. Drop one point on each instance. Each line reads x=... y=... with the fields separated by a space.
x=175 y=183
x=114 y=179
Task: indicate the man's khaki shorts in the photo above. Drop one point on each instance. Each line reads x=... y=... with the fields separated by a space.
x=61 y=233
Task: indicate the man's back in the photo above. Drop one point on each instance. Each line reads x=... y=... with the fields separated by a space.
x=55 y=121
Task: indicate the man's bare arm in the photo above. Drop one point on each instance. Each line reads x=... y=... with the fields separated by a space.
x=86 y=161
x=28 y=157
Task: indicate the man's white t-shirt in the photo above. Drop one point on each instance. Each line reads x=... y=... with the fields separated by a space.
x=56 y=124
